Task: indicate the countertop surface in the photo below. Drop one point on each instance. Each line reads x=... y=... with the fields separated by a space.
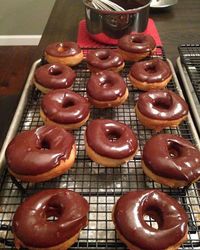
x=176 y=25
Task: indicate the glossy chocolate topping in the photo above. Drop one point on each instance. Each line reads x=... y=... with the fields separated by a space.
x=104 y=59
x=129 y=219
x=171 y=156
x=39 y=150
x=63 y=49
x=55 y=76
x=65 y=106
x=32 y=225
x=111 y=138
x=151 y=71
x=106 y=86
x=162 y=105
x=137 y=43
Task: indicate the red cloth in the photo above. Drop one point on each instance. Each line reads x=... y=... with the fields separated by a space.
x=85 y=41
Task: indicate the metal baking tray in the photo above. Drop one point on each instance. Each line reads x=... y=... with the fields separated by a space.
x=189 y=67
x=99 y=185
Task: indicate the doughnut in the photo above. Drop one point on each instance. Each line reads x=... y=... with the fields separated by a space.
x=171 y=160
x=158 y=109
x=67 y=53
x=40 y=154
x=50 y=219
x=150 y=74
x=104 y=59
x=110 y=143
x=64 y=108
x=53 y=76
x=135 y=47
x=133 y=230
x=106 y=89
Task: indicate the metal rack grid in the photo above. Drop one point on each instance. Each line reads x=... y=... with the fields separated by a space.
x=190 y=56
x=99 y=185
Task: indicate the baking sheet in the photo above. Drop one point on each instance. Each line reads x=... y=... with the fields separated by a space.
x=99 y=185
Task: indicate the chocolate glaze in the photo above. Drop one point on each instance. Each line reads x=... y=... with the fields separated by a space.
x=104 y=59
x=162 y=105
x=63 y=49
x=151 y=71
x=137 y=43
x=171 y=156
x=106 y=86
x=55 y=76
x=39 y=150
x=31 y=225
x=65 y=106
x=129 y=220
x=111 y=138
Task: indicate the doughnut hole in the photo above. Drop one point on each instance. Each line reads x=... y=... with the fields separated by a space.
x=113 y=136
x=54 y=71
x=153 y=217
x=173 y=149
x=45 y=145
x=67 y=103
x=61 y=47
x=106 y=83
x=104 y=56
x=162 y=103
x=136 y=40
x=151 y=69
x=53 y=211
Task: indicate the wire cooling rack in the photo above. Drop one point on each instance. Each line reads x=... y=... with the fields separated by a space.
x=190 y=56
x=99 y=185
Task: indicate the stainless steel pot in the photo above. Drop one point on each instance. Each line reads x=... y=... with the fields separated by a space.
x=103 y=25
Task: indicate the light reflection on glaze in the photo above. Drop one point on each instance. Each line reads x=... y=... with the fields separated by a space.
x=26 y=154
x=97 y=134
x=151 y=71
x=55 y=76
x=184 y=165
x=129 y=220
x=115 y=86
x=30 y=222
x=162 y=105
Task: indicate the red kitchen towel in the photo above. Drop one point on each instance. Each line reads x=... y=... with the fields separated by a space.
x=85 y=41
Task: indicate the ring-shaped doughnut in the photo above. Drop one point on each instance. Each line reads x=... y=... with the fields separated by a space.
x=50 y=219
x=171 y=160
x=129 y=219
x=157 y=109
x=110 y=143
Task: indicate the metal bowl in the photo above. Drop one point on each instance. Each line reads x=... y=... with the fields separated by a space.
x=107 y=26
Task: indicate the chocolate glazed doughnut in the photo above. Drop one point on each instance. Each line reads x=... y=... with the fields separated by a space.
x=135 y=47
x=109 y=142
x=150 y=74
x=67 y=53
x=41 y=154
x=33 y=229
x=104 y=59
x=53 y=76
x=64 y=108
x=106 y=89
x=171 y=160
x=133 y=230
x=157 y=109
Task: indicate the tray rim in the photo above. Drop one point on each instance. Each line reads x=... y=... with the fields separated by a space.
x=186 y=81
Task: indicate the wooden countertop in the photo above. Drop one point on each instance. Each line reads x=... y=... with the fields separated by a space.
x=176 y=25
